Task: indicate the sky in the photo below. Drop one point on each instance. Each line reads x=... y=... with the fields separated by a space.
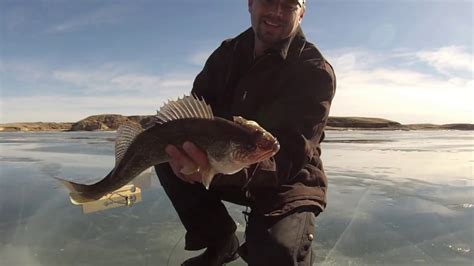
x=409 y=61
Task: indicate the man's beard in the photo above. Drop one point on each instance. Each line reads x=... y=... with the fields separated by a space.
x=269 y=38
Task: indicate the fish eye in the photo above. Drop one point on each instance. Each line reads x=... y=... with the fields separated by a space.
x=250 y=147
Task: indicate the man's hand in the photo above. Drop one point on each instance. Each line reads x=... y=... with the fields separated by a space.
x=189 y=164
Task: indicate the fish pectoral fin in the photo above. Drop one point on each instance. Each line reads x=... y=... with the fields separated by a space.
x=207 y=177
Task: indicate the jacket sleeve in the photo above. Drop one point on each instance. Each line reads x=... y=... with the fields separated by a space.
x=297 y=118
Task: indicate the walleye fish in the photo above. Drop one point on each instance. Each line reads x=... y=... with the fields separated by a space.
x=230 y=145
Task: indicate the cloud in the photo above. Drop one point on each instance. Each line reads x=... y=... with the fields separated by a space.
x=73 y=108
x=101 y=16
x=394 y=86
x=81 y=91
x=397 y=85
x=449 y=59
x=107 y=78
x=119 y=81
x=395 y=68
x=199 y=58
x=25 y=71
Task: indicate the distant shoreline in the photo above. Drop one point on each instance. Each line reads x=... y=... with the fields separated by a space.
x=110 y=122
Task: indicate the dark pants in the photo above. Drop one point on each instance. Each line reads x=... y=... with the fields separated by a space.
x=277 y=240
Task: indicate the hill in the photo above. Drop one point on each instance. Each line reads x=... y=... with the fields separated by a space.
x=107 y=122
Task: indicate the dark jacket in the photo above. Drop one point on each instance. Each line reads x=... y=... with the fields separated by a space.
x=288 y=91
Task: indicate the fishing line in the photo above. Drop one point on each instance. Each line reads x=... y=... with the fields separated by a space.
x=173 y=249
x=245 y=187
x=356 y=211
x=246 y=212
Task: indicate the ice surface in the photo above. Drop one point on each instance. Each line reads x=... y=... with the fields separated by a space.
x=396 y=198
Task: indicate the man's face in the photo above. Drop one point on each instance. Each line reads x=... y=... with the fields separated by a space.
x=275 y=20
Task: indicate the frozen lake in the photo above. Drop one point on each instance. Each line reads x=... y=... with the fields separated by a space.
x=395 y=198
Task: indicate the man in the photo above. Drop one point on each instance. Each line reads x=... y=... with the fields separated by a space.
x=272 y=75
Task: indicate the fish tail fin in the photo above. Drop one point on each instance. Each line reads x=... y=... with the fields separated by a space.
x=75 y=192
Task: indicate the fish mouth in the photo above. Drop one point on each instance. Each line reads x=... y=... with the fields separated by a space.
x=268 y=153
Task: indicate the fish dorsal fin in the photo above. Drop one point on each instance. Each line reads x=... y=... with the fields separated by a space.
x=186 y=107
x=126 y=133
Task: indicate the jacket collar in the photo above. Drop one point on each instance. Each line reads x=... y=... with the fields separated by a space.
x=286 y=49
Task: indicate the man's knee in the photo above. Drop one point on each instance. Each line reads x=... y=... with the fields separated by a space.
x=281 y=241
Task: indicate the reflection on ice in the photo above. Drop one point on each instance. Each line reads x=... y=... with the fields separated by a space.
x=127 y=195
x=17 y=159
x=394 y=198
